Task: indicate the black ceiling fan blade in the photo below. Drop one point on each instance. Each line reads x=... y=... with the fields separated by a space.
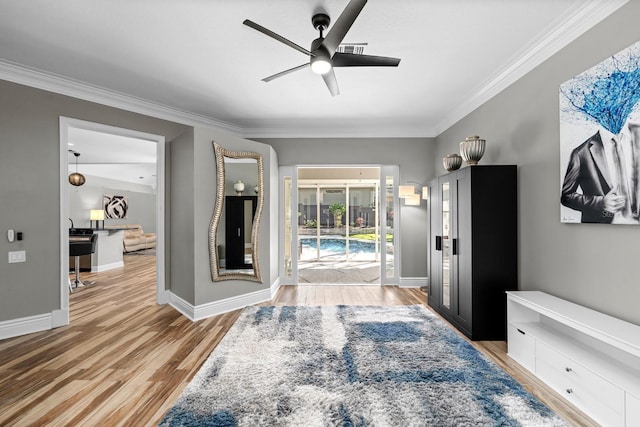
x=285 y=72
x=354 y=60
x=278 y=37
x=345 y=21
x=330 y=79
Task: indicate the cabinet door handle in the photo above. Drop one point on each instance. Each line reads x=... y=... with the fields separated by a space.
x=238 y=232
x=568 y=369
x=438 y=243
x=569 y=391
x=521 y=331
x=454 y=247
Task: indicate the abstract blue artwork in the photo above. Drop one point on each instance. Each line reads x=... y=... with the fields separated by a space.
x=600 y=142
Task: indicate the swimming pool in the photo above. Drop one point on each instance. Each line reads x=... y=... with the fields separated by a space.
x=339 y=246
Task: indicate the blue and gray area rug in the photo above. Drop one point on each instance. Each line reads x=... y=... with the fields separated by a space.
x=351 y=366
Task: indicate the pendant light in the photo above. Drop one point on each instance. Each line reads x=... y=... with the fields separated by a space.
x=76 y=178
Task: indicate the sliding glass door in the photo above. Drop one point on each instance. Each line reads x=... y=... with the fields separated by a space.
x=338 y=222
x=363 y=238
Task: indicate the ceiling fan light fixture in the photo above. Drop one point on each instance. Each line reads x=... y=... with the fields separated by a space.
x=324 y=52
x=320 y=65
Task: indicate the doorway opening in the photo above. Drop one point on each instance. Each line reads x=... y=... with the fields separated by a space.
x=154 y=208
x=343 y=226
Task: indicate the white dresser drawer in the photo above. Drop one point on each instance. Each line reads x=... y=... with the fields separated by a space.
x=600 y=351
x=633 y=411
x=598 y=397
x=521 y=347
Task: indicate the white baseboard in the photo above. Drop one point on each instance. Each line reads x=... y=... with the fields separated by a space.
x=413 y=282
x=105 y=267
x=184 y=307
x=163 y=297
x=59 y=318
x=215 y=308
x=275 y=286
x=25 y=325
x=375 y=284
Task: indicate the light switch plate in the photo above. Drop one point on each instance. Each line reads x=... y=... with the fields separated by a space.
x=17 y=256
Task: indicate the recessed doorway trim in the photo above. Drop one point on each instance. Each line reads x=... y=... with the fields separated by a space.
x=162 y=296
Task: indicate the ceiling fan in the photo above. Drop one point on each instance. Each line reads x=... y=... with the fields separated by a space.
x=323 y=53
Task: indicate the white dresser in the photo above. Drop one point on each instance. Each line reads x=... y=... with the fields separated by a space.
x=592 y=359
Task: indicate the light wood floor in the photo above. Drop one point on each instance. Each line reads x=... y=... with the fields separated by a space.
x=124 y=359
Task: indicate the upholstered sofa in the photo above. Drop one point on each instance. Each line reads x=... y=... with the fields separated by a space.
x=136 y=239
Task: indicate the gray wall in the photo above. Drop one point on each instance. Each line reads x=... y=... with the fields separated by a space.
x=193 y=194
x=591 y=264
x=141 y=198
x=204 y=170
x=30 y=192
x=414 y=156
x=181 y=232
x=30 y=199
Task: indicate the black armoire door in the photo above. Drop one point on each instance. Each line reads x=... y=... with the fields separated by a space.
x=239 y=214
x=473 y=256
x=450 y=290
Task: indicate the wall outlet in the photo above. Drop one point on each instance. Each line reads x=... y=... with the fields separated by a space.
x=17 y=256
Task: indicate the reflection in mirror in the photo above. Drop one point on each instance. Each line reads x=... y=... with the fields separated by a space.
x=233 y=232
x=446 y=247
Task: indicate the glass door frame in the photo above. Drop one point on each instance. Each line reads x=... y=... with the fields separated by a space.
x=288 y=175
x=288 y=237
x=392 y=171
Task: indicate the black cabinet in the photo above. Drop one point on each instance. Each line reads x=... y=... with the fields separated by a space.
x=239 y=214
x=473 y=248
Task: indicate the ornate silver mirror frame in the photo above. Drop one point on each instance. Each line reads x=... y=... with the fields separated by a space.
x=216 y=274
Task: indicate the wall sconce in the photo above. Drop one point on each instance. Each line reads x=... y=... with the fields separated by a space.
x=76 y=178
x=405 y=191
x=410 y=195
x=96 y=215
x=239 y=187
x=413 y=200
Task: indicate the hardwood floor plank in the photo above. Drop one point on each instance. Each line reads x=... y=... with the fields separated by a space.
x=124 y=360
x=86 y=404
x=200 y=348
x=117 y=406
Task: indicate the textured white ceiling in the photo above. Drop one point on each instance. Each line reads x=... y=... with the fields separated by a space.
x=195 y=57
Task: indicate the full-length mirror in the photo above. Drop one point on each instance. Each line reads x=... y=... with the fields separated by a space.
x=233 y=233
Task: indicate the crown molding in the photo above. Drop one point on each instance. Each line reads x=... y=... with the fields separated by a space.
x=27 y=76
x=570 y=27
x=39 y=79
x=337 y=131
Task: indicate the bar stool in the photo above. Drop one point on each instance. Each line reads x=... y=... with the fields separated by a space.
x=78 y=249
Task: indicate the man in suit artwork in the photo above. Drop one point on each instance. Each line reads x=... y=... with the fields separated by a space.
x=607 y=177
x=601 y=181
